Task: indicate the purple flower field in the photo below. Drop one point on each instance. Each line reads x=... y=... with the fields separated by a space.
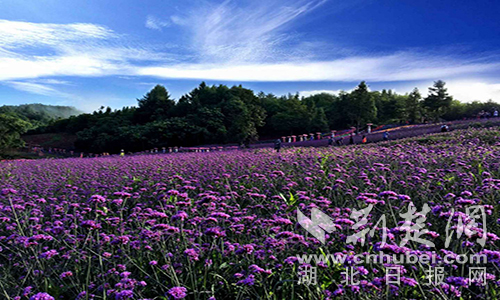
x=223 y=225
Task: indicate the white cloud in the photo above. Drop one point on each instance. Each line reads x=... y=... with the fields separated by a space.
x=52 y=81
x=37 y=50
x=397 y=67
x=19 y=34
x=316 y=92
x=474 y=90
x=34 y=67
x=228 y=32
x=36 y=88
x=154 y=23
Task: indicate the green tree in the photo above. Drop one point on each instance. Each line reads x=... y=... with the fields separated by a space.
x=329 y=104
x=155 y=105
x=438 y=101
x=318 y=120
x=293 y=117
x=413 y=106
x=457 y=110
x=242 y=113
x=360 y=107
x=11 y=128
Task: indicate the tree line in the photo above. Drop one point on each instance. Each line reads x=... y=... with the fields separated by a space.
x=220 y=114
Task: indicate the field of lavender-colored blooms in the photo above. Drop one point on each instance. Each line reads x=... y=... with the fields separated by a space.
x=223 y=225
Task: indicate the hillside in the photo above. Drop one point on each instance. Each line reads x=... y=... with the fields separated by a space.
x=40 y=114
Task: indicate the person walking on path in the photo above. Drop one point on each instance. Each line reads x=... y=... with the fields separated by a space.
x=277 y=145
x=351 y=139
x=385 y=136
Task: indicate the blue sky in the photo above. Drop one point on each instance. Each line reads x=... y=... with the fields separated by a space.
x=111 y=52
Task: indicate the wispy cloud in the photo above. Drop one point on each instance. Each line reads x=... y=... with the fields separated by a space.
x=153 y=22
x=397 y=67
x=20 y=34
x=37 y=88
x=52 y=81
x=36 y=50
x=227 y=32
x=316 y=92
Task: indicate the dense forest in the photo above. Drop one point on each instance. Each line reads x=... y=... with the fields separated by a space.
x=220 y=115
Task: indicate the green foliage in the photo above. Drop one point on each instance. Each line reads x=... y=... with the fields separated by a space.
x=11 y=128
x=413 y=106
x=438 y=101
x=360 y=107
x=155 y=105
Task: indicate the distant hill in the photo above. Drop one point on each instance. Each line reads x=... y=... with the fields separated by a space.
x=40 y=114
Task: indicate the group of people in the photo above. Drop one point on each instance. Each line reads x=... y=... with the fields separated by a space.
x=486 y=114
x=339 y=141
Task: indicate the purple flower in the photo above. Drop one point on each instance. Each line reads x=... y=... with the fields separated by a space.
x=250 y=280
x=180 y=216
x=215 y=231
x=27 y=291
x=66 y=274
x=9 y=191
x=49 y=254
x=42 y=296
x=97 y=199
x=123 y=295
x=457 y=281
x=192 y=254
x=178 y=292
